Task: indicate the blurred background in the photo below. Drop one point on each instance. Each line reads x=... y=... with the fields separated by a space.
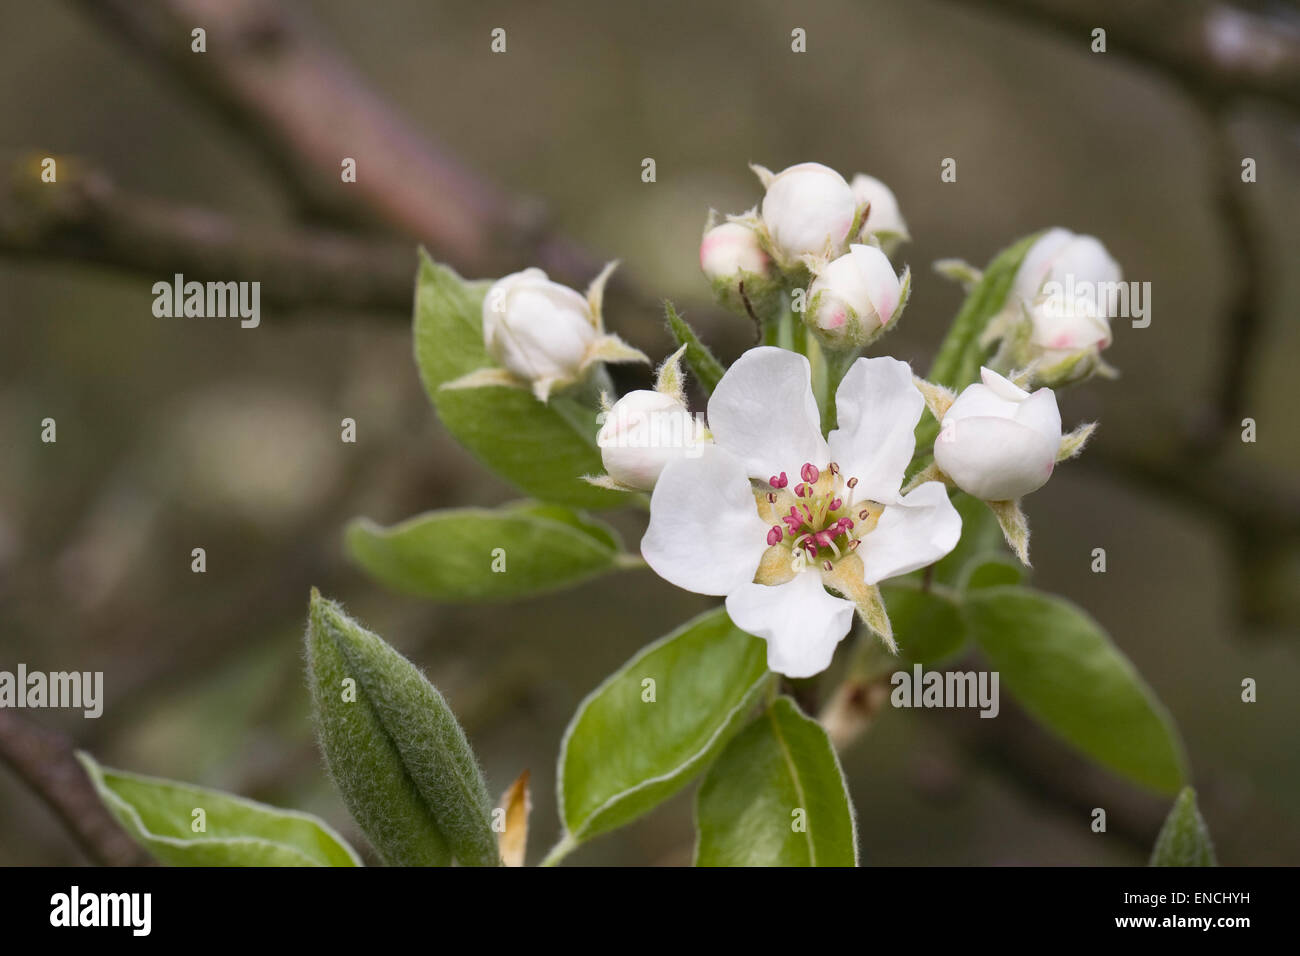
x=183 y=433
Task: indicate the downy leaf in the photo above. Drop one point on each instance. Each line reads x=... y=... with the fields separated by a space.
x=1184 y=839
x=544 y=449
x=1061 y=665
x=394 y=748
x=184 y=825
x=776 y=797
x=473 y=554
x=640 y=736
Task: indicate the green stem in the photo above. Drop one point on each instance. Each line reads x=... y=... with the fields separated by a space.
x=562 y=849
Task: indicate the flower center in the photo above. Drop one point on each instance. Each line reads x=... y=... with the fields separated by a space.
x=819 y=518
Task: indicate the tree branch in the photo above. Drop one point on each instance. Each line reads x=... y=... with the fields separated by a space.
x=1216 y=49
x=45 y=761
x=84 y=217
x=306 y=109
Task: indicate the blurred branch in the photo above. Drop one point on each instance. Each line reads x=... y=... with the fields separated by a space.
x=306 y=109
x=1217 y=50
x=85 y=217
x=45 y=761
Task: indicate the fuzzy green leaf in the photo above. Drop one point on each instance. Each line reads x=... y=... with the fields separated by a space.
x=958 y=362
x=623 y=754
x=1184 y=839
x=1061 y=665
x=544 y=449
x=707 y=369
x=473 y=554
x=776 y=797
x=396 y=752
x=161 y=816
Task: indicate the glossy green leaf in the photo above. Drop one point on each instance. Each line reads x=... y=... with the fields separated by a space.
x=394 y=748
x=776 y=797
x=1184 y=839
x=1063 y=668
x=640 y=736
x=470 y=554
x=928 y=625
x=162 y=816
x=544 y=449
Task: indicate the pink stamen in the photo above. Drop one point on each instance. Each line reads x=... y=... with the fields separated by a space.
x=801 y=490
x=778 y=481
x=774 y=536
x=809 y=472
x=836 y=504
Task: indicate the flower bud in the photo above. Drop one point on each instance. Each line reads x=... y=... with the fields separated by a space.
x=537 y=329
x=730 y=250
x=642 y=433
x=1065 y=326
x=854 y=297
x=808 y=210
x=999 y=442
x=883 y=218
x=1061 y=256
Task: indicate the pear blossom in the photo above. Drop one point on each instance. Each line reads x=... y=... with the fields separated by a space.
x=997 y=441
x=544 y=335
x=883 y=218
x=808 y=209
x=642 y=433
x=1059 y=254
x=773 y=513
x=1063 y=327
x=1061 y=262
x=854 y=297
x=729 y=250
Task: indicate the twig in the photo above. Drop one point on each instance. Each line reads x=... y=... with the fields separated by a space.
x=267 y=71
x=45 y=761
x=1215 y=49
x=83 y=216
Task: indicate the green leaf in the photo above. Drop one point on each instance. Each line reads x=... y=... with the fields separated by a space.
x=545 y=449
x=707 y=369
x=993 y=573
x=776 y=797
x=472 y=554
x=927 y=624
x=623 y=754
x=1064 y=669
x=1184 y=840
x=394 y=748
x=981 y=539
x=160 y=815
x=958 y=361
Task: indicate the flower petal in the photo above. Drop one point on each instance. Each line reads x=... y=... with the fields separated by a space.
x=801 y=623
x=705 y=534
x=878 y=410
x=918 y=530
x=764 y=413
x=996 y=459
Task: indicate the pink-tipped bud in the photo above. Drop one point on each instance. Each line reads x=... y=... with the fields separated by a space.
x=775 y=535
x=809 y=472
